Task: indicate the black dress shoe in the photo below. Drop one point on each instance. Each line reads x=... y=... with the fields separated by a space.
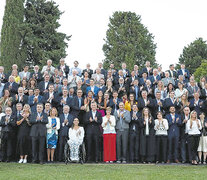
x=41 y=162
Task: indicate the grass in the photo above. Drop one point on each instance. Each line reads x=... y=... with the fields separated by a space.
x=16 y=171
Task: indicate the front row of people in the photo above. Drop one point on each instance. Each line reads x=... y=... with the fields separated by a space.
x=149 y=140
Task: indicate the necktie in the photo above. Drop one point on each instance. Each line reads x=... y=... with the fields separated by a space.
x=79 y=99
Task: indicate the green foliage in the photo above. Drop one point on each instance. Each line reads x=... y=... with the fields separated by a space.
x=128 y=40
x=41 y=40
x=193 y=54
x=10 y=34
x=201 y=71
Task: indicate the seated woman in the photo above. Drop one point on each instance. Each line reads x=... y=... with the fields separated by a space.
x=76 y=135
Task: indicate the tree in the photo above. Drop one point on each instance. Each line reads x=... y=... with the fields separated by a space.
x=41 y=40
x=193 y=54
x=10 y=34
x=128 y=40
x=201 y=71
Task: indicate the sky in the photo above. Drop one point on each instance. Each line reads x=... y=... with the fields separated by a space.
x=174 y=24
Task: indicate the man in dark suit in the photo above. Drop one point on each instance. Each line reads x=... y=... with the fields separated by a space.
x=154 y=78
x=92 y=88
x=35 y=99
x=114 y=102
x=36 y=74
x=77 y=107
x=192 y=88
x=63 y=67
x=88 y=69
x=66 y=121
x=135 y=89
x=134 y=132
x=38 y=133
x=102 y=86
x=174 y=123
x=64 y=100
x=147 y=69
x=172 y=71
x=93 y=122
x=121 y=88
x=7 y=123
x=130 y=81
x=204 y=92
x=44 y=85
x=144 y=101
x=157 y=104
x=184 y=72
x=12 y=86
x=171 y=101
x=51 y=97
x=20 y=97
x=196 y=104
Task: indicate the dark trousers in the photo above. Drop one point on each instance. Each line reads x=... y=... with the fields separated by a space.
x=92 y=139
x=134 y=146
x=173 y=146
x=7 y=145
x=62 y=140
x=184 y=148
x=193 y=144
x=38 y=148
x=161 y=144
x=122 y=144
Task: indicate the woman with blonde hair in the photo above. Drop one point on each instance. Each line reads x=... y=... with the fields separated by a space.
x=202 y=148
x=16 y=76
x=160 y=88
x=52 y=133
x=23 y=137
x=109 y=136
x=193 y=127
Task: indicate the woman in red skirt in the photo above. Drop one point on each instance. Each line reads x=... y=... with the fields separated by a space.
x=109 y=137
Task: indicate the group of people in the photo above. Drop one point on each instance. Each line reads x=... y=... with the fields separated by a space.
x=146 y=115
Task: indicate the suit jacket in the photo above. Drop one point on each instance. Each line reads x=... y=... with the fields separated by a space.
x=94 y=126
x=191 y=91
x=124 y=124
x=63 y=131
x=157 y=107
x=113 y=105
x=23 y=101
x=14 y=88
x=37 y=76
x=66 y=70
x=103 y=89
x=168 y=103
x=21 y=75
x=174 y=74
x=121 y=92
x=42 y=86
x=75 y=109
x=180 y=72
x=166 y=81
x=174 y=127
x=129 y=81
x=197 y=107
x=8 y=127
x=90 y=72
x=134 y=124
x=38 y=128
x=96 y=89
x=141 y=104
x=55 y=101
x=33 y=104
x=144 y=70
x=152 y=79
x=203 y=94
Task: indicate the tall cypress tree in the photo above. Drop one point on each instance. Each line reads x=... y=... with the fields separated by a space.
x=41 y=39
x=128 y=40
x=10 y=34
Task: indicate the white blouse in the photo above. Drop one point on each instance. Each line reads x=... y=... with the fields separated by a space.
x=109 y=128
x=194 y=130
x=76 y=135
x=161 y=129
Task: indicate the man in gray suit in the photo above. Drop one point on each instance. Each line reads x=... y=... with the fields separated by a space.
x=25 y=74
x=123 y=119
x=168 y=79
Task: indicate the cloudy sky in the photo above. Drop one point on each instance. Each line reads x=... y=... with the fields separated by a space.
x=174 y=23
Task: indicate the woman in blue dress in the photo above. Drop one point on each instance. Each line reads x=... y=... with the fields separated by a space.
x=52 y=133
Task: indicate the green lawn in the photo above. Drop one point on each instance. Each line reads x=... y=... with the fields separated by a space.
x=16 y=171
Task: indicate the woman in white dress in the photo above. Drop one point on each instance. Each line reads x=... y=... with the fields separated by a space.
x=76 y=135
